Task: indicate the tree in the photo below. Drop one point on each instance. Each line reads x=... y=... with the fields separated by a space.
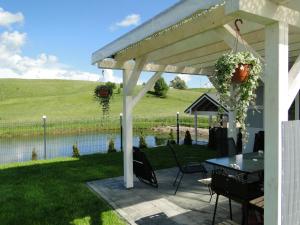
x=161 y=88
x=112 y=85
x=178 y=83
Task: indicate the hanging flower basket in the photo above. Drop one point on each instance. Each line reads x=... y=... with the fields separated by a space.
x=241 y=73
x=104 y=91
x=236 y=80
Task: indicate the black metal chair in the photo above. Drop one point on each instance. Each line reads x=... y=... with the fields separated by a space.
x=143 y=169
x=232 y=148
x=187 y=168
x=236 y=188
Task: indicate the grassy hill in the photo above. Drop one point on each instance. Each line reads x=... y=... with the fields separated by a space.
x=28 y=100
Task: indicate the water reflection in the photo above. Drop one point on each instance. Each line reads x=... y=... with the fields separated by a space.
x=18 y=150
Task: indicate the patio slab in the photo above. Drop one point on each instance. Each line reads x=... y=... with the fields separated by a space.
x=144 y=205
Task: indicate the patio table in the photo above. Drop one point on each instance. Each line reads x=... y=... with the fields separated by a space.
x=247 y=163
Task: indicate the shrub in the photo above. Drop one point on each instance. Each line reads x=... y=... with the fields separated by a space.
x=161 y=88
x=112 y=85
x=159 y=140
x=111 y=146
x=76 y=152
x=178 y=83
x=34 y=155
x=142 y=142
x=171 y=137
x=187 y=138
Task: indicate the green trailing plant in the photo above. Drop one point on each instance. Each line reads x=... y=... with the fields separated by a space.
x=34 y=155
x=111 y=146
x=171 y=137
x=188 y=138
x=237 y=96
x=103 y=94
x=75 y=152
x=142 y=141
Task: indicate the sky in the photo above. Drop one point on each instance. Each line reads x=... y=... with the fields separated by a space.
x=53 y=39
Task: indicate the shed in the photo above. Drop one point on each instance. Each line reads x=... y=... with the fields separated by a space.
x=207 y=105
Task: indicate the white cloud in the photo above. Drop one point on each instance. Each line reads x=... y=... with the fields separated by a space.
x=13 y=64
x=130 y=20
x=8 y=18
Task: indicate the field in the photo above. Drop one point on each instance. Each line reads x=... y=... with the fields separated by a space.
x=62 y=100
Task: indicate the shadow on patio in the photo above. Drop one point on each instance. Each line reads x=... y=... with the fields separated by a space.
x=145 y=205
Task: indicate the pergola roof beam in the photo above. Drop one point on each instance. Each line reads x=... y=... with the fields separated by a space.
x=263 y=11
x=162 y=21
x=207 y=21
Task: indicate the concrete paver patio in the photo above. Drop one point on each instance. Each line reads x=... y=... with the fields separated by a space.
x=145 y=205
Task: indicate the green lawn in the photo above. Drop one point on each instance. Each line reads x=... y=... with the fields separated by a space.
x=54 y=191
x=28 y=100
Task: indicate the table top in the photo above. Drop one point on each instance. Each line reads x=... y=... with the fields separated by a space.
x=246 y=163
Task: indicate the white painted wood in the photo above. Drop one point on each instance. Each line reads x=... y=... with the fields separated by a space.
x=196 y=125
x=276 y=111
x=146 y=88
x=151 y=67
x=290 y=195
x=127 y=133
x=297 y=107
x=162 y=21
x=294 y=81
x=262 y=11
x=134 y=76
x=187 y=28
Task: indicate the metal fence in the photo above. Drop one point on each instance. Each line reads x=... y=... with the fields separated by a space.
x=23 y=141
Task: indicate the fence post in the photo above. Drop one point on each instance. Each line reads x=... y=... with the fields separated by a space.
x=121 y=131
x=177 y=123
x=45 y=142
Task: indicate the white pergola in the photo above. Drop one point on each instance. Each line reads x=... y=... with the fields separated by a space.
x=189 y=37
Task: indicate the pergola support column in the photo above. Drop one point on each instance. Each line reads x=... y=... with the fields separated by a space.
x=276 y=111
x=127 y=133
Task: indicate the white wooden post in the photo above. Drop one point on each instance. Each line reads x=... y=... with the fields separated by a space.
x=232 y=125
x=127 y=133
x=297 y=107
x=276 y=111
x=196 y=125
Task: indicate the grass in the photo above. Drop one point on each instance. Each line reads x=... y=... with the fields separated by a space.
x=54 y=191
x=28 y=100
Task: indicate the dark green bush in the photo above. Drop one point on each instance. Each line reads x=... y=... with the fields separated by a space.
x=161 y=88
x=76 y=152
x=111 y=146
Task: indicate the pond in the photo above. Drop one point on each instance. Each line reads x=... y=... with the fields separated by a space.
x=20 y=149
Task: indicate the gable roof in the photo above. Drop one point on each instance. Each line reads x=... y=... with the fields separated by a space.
x=208 y=102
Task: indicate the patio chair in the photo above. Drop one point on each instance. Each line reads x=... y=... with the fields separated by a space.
x=187 y=168
x=143 y=169
x=235 y=188
x=232 y=148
